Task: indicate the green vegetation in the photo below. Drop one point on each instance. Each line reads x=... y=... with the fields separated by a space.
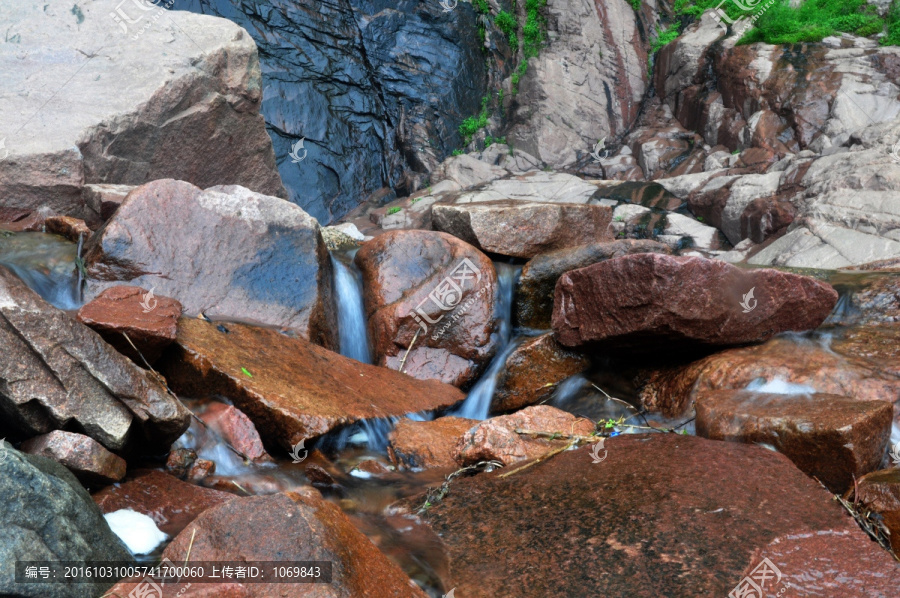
x=664 y=37
x=481 y=6
x=533 y=31
x=457 y=152
x=520 y=70
x=393 y=210
x=507 y=23
x=893 y=26
x=635 y=4
x=473 y=124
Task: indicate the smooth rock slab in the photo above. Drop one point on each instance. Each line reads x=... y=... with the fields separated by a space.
x=82 y=455
x=662 y=515
x=523 y=229
x=287 y=527
x=171 y=503
x=226 y=252
x=56 y=372
x=48 y=516
x=149 y=320
x=635 y=302
x=537 y=283
x=437 y=290
x=426 y=445
x=295 y=390
x=835 y=439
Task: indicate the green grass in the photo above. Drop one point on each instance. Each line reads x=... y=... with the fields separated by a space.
x=507 y=23
x=533 y=31
x=473 y=124
x=664 y=36
x=393 y=210
x=893 y=26
x=481 y=6
x=635 y=4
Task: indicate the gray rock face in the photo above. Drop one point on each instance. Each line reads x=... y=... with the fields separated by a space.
x=56 y=372
x=226 y=251
x=90 y=100
x=48 y=516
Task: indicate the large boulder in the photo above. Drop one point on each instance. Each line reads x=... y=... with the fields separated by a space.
x=661 y=515
x=672 y=390
x=291 y=389
x=635 y=301
x=832 y=438
x=80 y=454
x=48 y=516
x=226 y=252
x=523 y=229
x=431 y=288
x=56 y=373
x=288 y=527
x=190 y=109
x=537 y=283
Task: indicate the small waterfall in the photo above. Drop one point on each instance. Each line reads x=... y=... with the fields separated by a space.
x=46 y=263
x=351 y=315
x=371 y=433
x=478 y=402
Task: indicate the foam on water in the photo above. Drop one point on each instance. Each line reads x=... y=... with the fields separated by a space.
x=779 y=386
x=137 y=531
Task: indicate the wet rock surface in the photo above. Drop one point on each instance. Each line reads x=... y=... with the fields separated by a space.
x=662 y=536
x=150 y=321
x=48 y=516
x=879 y=491
x=688 y=302
x=416 y=279
x=534 y=294
x=235 y=428
x=171 y=503
x=291 y=389
x=425 y=445
x=226 y=252
x=831 y=438
x=56 y=372
x=520 y=229
x=82 y=455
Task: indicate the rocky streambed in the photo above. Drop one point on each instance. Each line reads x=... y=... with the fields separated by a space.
x=638 y=336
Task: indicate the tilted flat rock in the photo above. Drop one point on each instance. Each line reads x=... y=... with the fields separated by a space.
x=56 y=372
x=521 y=229
x=671 y=390
x=48 y=516
x=537 y=283
x=190 y=109
x=226 y=251
x=634 y=301
x=295 y=390
x=424 y=445
x=82 y=455
x=661 y=515
x=434 y=289
x=832 y=438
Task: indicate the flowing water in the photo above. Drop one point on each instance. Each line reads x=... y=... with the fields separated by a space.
x=352 y=331
x=46 y=263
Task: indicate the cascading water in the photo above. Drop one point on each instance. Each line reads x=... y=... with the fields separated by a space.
x=46 y=263
x=351 y=314
x=478 y=402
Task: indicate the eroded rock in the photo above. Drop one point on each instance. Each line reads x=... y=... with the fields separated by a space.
x=80 y=454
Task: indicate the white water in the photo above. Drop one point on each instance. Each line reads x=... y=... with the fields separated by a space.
x=137 y=531
x=478 y=402
x=779 y=386
x=352 y=332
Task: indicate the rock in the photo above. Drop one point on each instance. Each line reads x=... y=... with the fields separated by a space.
x=287 y=527
x=412 y=282
x=226 y=252
x=467 y=171
x=57 y=373
x=870 y=299
x=337 y=240
x=82 y=455
x=104 y=200
x=832 y=438
x=677 y=231
x=879 y=491
x=179 y=461
x=671 y=390
x=687 y=301
x=190 y=109
x=150 y=321
x=19 y=220
x=171 y=503
x=649 y=195
x=520 y=229
x=539 y=186
x=200 y=470
x=48 y=516
x=609 y=535
x=291 y=389
x=879 y=345
x=532 y=372
x=426 y=445
x=534 y=295
x=497 y=439
x=68 y=227
x=235 y=428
